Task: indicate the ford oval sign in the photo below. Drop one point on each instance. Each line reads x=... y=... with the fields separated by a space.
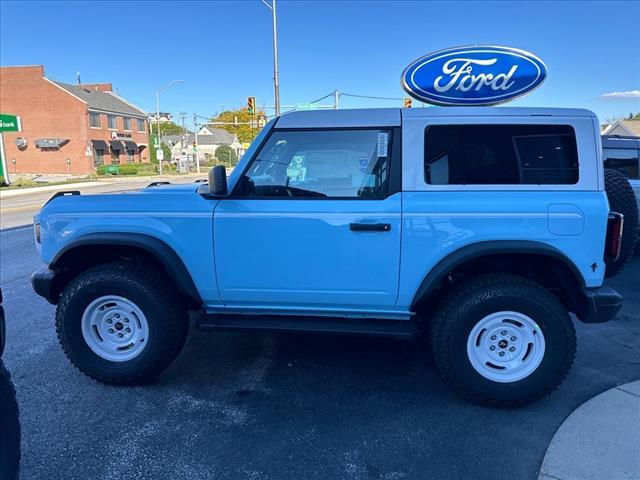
x=475 y=75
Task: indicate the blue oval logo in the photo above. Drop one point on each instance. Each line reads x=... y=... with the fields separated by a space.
x=474 y=75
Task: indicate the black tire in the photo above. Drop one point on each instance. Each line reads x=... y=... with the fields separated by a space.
x=9 y=428
x=152 y=292
x=472 y=301
x=622 y=200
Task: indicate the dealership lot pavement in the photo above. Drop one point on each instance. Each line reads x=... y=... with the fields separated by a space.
x=262 y=406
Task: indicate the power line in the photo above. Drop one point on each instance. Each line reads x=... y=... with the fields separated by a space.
x=370 y=96
x=322 y=98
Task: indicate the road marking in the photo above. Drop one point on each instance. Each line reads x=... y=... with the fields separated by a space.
x=14 y=229
x=20 y=209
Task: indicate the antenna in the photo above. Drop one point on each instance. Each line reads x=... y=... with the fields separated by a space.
x=79 y=82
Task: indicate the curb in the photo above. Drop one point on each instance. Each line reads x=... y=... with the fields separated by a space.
x=600 y=439
x=49 y=188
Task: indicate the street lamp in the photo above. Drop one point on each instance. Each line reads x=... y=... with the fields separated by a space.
x=276 y=77
x=158 y=93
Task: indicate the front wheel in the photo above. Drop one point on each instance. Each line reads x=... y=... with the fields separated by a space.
x=502 y=340
x=121 y=323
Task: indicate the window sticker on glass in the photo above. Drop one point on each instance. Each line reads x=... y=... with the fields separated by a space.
x=383 y=144
x=363 y=162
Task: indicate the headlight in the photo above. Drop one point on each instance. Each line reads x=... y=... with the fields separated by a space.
x=36 y=231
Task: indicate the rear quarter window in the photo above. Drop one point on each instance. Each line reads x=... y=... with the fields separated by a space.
x=501 y=155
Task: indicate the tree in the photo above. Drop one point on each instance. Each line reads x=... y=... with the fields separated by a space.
x=245 y=132
x=226 y=155
x=633 y=116
x=166 y=151
x=167 y=128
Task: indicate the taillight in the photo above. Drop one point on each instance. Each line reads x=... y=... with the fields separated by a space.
x=614 y=237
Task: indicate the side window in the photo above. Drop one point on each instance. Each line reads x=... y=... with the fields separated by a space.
x=626 y=161
x=345 y=163
x=500 y=155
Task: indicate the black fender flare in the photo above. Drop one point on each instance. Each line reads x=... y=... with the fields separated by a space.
x=481 y=249
x=160 y=250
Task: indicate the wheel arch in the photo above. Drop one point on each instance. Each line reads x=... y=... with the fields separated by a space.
x=506 y=256
x=95 y=248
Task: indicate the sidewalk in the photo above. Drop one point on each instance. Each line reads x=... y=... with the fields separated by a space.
x=599 y=440
x=107 y=181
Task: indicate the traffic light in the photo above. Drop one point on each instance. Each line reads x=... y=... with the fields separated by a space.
x=251 y=105
x=407 y=102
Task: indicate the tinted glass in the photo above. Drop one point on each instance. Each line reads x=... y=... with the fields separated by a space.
x=321 y=163
x=126 y=123
x=111 y=121
x=624 y=160
x=500 y=154
x=140 y=125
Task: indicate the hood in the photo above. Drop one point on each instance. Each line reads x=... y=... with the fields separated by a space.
x=173 y=188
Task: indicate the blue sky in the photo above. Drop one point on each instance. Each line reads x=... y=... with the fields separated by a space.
x=223 y=50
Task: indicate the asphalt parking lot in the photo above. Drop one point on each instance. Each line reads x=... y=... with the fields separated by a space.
x=261 y=406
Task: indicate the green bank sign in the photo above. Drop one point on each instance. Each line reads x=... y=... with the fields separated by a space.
x=10 y=123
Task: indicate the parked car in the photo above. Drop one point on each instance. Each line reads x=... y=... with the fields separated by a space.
x=9 y=417
x=622 y=154
x=486 y=226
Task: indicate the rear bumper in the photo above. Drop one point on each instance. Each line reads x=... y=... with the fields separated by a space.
x=42 y=282
x=602 y=304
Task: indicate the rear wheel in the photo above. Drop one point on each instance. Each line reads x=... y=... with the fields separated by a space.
x=502 y=340
x=120 y=323
x=622 y=200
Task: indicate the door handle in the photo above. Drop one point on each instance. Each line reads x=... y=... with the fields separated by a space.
x=370 y=227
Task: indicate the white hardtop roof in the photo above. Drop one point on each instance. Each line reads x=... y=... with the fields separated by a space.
x=391 y=117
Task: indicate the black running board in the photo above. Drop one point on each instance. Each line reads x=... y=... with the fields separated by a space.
x=273 y=323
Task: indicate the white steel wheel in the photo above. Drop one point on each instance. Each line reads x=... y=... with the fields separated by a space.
x=506 y=346
x=115 y=328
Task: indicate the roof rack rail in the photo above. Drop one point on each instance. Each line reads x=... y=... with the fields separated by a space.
x=155 y=184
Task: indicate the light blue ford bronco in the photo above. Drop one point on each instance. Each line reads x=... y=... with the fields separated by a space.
x=482 y=227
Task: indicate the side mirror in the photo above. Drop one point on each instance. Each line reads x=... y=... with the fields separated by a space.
x=218 y=180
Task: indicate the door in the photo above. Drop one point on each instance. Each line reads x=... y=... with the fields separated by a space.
x=313 y=223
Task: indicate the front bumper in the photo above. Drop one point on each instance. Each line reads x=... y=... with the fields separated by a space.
x=602 y=304
x=42 y=282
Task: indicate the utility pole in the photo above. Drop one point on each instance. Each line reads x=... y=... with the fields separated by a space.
x=158 y=93
x=276 y=76
x=195 y=139
x=182 y=116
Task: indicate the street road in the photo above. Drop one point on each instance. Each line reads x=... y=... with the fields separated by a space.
x=261 y=406
x=19 y=210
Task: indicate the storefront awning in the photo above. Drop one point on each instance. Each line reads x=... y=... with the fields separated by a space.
x=100 y=145
x=131 y=146
x=50 y=142
x=116 y=145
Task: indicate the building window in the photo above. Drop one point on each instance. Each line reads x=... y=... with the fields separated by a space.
x=98 y=157
x=126 y=121
x=141 y=125
x=130 y=156
x=111 y=122
x=115 y=157
x=94 y=119
x=500 y=155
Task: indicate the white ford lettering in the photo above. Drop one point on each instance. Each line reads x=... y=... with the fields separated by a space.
x=459 y=71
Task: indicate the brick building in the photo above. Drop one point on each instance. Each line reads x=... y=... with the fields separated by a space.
x=87 y=124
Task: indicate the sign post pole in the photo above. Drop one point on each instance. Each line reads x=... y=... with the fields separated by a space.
x=8 y=123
